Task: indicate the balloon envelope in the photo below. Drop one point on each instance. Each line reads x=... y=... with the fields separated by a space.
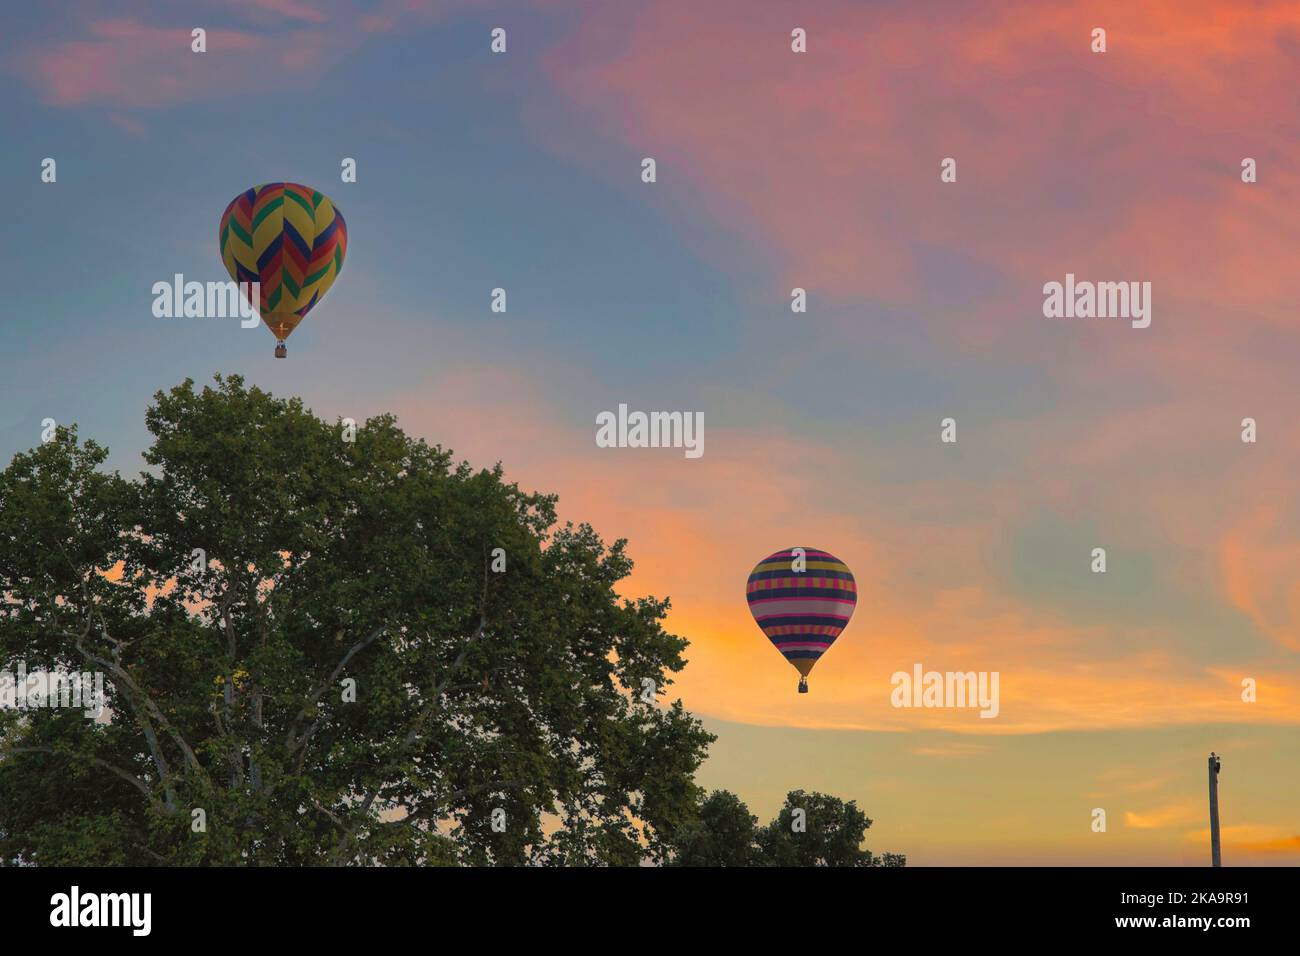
x=289 y=238
x=802 y=612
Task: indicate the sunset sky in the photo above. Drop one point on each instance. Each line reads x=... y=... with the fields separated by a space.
x=925 y=301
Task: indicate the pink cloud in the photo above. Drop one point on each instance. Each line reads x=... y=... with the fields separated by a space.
x=826 y=164
x=1261 y=567
x=128 y=124
x=126 y=63
x=132 y=65
x=293 y=9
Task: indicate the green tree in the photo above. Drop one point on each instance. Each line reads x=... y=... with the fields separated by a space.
x=830 y=833
x=264 y=566
x=724 y=833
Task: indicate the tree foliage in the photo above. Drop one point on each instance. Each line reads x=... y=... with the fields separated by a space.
x=723 y=833
x=811 y=829
x=228 y=593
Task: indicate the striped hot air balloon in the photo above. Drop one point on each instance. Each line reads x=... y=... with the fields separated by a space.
x=802 y=598
x=292 y=240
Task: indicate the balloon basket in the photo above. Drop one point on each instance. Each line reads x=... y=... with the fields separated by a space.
x=280 y=350
x=803 y=685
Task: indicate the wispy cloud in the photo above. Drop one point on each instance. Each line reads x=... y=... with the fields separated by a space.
x=145 y=61
x=292 y=9
x=1172 y=815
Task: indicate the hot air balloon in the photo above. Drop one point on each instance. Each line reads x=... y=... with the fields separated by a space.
x=802 y=599
x=292 y=240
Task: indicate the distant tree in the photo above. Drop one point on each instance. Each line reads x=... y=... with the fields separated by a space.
x=227 y=595
x=723 y=834
x=830 y=833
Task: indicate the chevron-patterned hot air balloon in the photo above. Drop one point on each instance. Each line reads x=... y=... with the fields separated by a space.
x=291 y=239
x=802 y=598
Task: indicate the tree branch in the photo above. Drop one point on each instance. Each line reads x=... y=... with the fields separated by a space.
x=293 y=743
x=112 y=768
x=128 y=685
x=422 y=718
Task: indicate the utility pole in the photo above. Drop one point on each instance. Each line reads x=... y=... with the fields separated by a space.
x=1214 y=810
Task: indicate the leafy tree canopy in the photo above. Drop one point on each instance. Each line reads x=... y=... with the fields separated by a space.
x=233 y=593
x=811 y=829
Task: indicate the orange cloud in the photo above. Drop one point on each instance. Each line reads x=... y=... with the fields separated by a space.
x=1178 y=814
x=1286 y=844
x=951 y=749
x=1251 y=839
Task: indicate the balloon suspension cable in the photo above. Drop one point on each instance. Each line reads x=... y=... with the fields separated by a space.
x=803 y=685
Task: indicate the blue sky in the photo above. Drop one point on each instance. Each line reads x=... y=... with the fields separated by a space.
x=775 y=170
